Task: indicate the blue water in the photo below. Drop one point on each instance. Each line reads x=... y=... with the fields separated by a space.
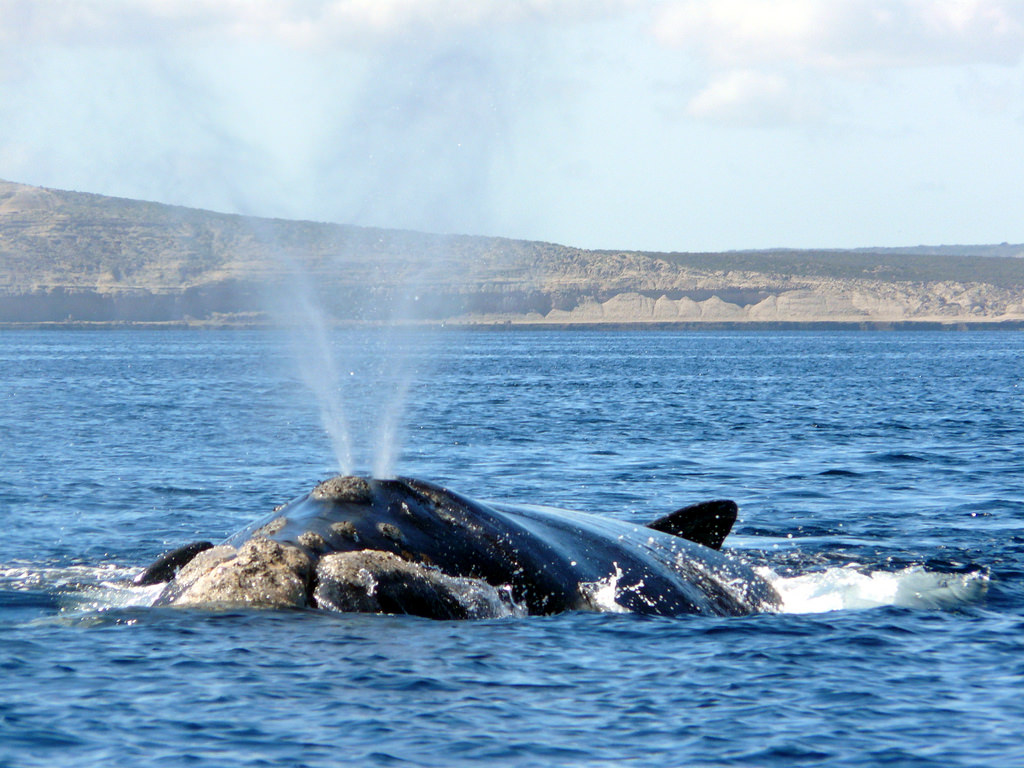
x=880 y=479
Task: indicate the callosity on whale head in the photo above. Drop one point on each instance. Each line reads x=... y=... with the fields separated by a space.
x=408 y=546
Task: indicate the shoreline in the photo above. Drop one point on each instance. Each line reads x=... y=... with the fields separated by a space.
x=794 y=325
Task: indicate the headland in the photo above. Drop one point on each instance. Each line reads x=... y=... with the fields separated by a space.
x=74 y=259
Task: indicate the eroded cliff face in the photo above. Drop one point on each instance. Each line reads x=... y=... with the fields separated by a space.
x=846 y=304
x=82 y=257
x=694 y=296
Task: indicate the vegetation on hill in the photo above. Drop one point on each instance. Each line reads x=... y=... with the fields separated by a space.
x=95 y=258
x=999 y=265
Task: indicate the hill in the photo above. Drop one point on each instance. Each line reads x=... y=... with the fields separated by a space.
x=90 y=258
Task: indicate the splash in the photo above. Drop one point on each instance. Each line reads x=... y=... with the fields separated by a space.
x=21 y=577
x=851 y=588
x=74 y=594
x=484 y=601
x=604 y=594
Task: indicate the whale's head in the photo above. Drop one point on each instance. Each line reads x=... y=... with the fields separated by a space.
x=351 y=512
x=352 y=543
x=345 y=489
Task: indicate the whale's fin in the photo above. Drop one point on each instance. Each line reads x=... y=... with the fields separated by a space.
x=707 y=523
x=167 y=565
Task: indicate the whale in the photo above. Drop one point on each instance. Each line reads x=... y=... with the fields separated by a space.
x=407 y=546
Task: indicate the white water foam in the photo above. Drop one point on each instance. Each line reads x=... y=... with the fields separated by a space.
x=603 y=595
x=483 y=601
x=110 y=596
x=851 y=588
x=28 y=576
x=81 y=589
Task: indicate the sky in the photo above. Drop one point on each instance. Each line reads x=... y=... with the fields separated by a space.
x=672 y=125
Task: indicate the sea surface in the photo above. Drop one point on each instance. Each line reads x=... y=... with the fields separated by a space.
x=880 y=478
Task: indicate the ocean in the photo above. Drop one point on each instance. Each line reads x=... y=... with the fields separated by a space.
x=880 y=478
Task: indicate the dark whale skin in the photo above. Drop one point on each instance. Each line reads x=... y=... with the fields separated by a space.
x=550 y=560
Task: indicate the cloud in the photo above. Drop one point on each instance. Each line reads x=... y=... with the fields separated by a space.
x=384 y=111
x=467 y=115
x=850 y=34
x=297 y=23
x=745 y=97
x=764 y=60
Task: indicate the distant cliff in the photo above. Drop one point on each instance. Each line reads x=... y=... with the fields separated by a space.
x=70 y=256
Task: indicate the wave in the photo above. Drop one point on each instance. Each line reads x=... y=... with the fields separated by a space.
x=80 y=590
x=72 y=589
x=852 y=587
